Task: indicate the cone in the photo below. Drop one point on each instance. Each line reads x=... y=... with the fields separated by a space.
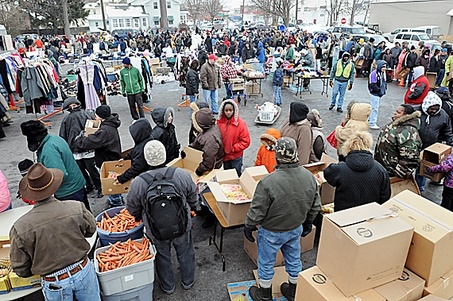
x=401 y=84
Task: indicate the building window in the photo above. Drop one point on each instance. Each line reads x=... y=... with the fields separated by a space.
x=155 y=5
x=136 y=23
x=115 y=23
x=96 y=24
x=168 y=4
x=170 y=22
x=121 y=23
x=144 y=22
x=156 y=23
x=128 y=22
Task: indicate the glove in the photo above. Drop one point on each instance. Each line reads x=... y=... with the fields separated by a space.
x=349 y=86
x=183 y=154
x=331 y=83
x=124 y=94
x=307 y=229
x=248 y=233
x=198 y=173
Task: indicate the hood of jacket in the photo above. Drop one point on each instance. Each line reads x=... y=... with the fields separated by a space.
x=235 y=117
x=419 y=71
x=430 y=100
x=197 y=105
x=160 y=115
x=260 y=45
x=272 y=135
x=298 y=112
x=412 y=119
x=360 y=111
x=380 y=64
x=113 y=121
x=140 y=130
x=359 y=160
x=203 y=119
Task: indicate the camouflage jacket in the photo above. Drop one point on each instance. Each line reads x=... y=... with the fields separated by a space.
x=399 y=144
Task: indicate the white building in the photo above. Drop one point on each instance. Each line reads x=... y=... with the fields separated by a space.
x=152 y=8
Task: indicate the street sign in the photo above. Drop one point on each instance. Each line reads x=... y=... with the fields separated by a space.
x=343 y=21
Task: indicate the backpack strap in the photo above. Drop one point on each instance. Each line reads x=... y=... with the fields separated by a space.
x=147 y=178
x=169 y=172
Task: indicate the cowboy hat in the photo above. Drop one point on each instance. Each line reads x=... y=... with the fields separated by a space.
x=40 y=182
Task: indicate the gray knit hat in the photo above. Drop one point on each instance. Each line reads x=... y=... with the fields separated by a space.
x=154 y=152
x=286 y=151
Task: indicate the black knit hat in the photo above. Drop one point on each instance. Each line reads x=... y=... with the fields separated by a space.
x=24 y=165
x=35 y=131
x=103 y=111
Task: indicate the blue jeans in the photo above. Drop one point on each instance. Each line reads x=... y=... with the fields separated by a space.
x=375 y=101
x=185 y=253
x=84 y=286
x=234 y=164
x=212 y=97
x=440 y=77
x=229 y=92
x=277 y=95
x=268 y=245
x=338 y=88
x=410 y=76
x=421 y=181
x=116 y=200
x=192 y=98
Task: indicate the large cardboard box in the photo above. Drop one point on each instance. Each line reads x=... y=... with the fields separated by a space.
x=109 y=171
x=327 y=191
x=409 y=287
x=398 y=185
x=251 y=248
x=431 y=156
x=91 y=126
x=314 y=285
x=363 y=247
x=432 y=238
x=234 y=211
x=433 y=298
x=252 y=88
x=443 y=287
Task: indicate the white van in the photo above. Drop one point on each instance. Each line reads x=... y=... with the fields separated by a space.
x=391 y=35
x=433 y=32
x=414 y=38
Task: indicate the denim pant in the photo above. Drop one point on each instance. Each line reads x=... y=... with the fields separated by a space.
x=440 y=77
x=268 y=245
x=338 y=88
x=421 y=181
x=116 y=200
x=375 y=101
x=229 y=92
x=277 y=95
x=84 y=286
x=192 y=98
x=133 y=100
x=185 y=253
x=234 y=164
x=212 y=97
x=80 y=196
x=410 y=76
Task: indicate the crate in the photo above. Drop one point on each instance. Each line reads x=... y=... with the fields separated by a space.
x=126 y=278
x=237 y=84
x=266 y=115
x=143 y=293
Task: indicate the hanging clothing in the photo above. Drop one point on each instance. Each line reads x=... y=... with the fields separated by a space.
x=87 y=74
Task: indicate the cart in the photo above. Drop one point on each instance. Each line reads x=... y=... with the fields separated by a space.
x=268 y=113
x=237 y=88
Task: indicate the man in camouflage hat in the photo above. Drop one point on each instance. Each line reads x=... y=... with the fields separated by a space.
x=285 y=205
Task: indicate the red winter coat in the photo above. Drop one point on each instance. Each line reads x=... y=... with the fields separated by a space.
x=235 y=133
x=417 y=91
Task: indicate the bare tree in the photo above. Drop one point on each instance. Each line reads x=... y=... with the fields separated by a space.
x=277 y=8
x=12 y=17
x=212 y=8
x=195 y=9
x=354 y=8
x=334 y=8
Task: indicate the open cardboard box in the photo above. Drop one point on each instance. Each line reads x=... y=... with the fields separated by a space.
x=327 y=191
x=91 y=126
x=234 y=211
x=108 y=184
x=363 y=247
x=432 y=156
x=398 y=185
x=443 y=287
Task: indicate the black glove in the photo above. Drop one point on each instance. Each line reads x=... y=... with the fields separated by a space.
x=183 y=154
x=307 y=229
x=124 y=95
x=198 y=173
x=248 y=233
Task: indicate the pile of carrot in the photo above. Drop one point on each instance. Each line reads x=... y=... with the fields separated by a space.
x=121 y=222
x=122 y=254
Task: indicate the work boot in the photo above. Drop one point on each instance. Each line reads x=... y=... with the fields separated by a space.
x=288 y=290
x=339 y=110
x=260 y=293
x=331 y=107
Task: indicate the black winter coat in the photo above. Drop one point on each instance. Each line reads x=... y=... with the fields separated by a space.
x=141 y=133
x=72 y=125
x=359 y=180
x=192 y=82
x=165 y=132
x=105 y=141
x=438 y=129
x=202 y=57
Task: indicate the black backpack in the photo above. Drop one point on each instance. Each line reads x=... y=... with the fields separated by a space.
x=164 y=207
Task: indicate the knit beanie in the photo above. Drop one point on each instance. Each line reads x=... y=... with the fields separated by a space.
x=286 y=151
x=155 y=154
x=315 y=118
x=103 y=111
x=126 y=61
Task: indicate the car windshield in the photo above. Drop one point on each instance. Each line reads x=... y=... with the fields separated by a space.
x=357 y=30
x=424 y=37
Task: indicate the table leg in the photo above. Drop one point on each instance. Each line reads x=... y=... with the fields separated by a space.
x=219 y=247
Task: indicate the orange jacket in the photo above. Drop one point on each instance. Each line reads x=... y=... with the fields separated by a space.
x=266 y=154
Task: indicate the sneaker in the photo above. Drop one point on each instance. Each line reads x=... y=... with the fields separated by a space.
x=168 y=292
x=339 y=110
x=187 y=287
x=375 y=127
x=99 y=194
x=331 y=107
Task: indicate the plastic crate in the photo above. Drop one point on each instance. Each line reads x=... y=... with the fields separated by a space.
x=266 y=115
x=126 y=278
x=143 y=293
x=112 y=237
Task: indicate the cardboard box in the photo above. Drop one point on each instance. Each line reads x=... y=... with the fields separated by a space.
x=443 y=287
x=409 y=287
x=431 y=76
x=240 y=291
x=433 y=298
x=432 y=238
x=237 y=84
x=314 y=285
x=431 y=156
x=327 y=191
x=19 y=283
x=398 y=185
x=251 y=248
x=108 y=184
x=5 y=285
x=363 y=247
x=91 y=126
x=234 y=211
x=252 y=88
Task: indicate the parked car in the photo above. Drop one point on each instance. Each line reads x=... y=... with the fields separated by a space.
x=123 y=33
x=414 y=38
x=390 y=36
x=433 y=32
x=347 y=29
x=377 y=39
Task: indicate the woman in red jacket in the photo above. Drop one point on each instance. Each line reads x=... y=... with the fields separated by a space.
x=235 y=135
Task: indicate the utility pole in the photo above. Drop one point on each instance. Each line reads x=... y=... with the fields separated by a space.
x=163 y=14
x=104 y=24
x=243 y=8
x=66 y=18
x=297 y=10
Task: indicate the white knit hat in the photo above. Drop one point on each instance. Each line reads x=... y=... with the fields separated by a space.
x=154 y=152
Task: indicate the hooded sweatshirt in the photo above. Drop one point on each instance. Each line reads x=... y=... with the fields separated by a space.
x=196 y=106
x=140 y=131
x=299 y=128
x=377 y=84
x=266 y=152
x=261 y=53
x=235 y=133
x=418 y=89
x=165 y=132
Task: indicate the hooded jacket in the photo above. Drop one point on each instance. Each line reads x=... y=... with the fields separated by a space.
x=266 y=152
x=131 y=81
x=358 y=121
x=299 y=128
x=422 y=60
x=247 y=53
x=235 y=133
x=418 y=89
x=399 y=145
x=105 y=141
x=165 y=132
x=410 y=59
x=209 y=141
x=359 y=180
x=196 y=106
x=261 y=53
x=72 y=124
x=141 y=133
x=192 y=82
x=377 y=84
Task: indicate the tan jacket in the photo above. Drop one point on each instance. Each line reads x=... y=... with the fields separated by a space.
x=301 y=132
x=210 y=77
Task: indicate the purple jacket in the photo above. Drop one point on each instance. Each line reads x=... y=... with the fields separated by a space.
x=447 y=168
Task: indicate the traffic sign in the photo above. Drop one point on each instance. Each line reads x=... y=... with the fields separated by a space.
x=343 y=21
